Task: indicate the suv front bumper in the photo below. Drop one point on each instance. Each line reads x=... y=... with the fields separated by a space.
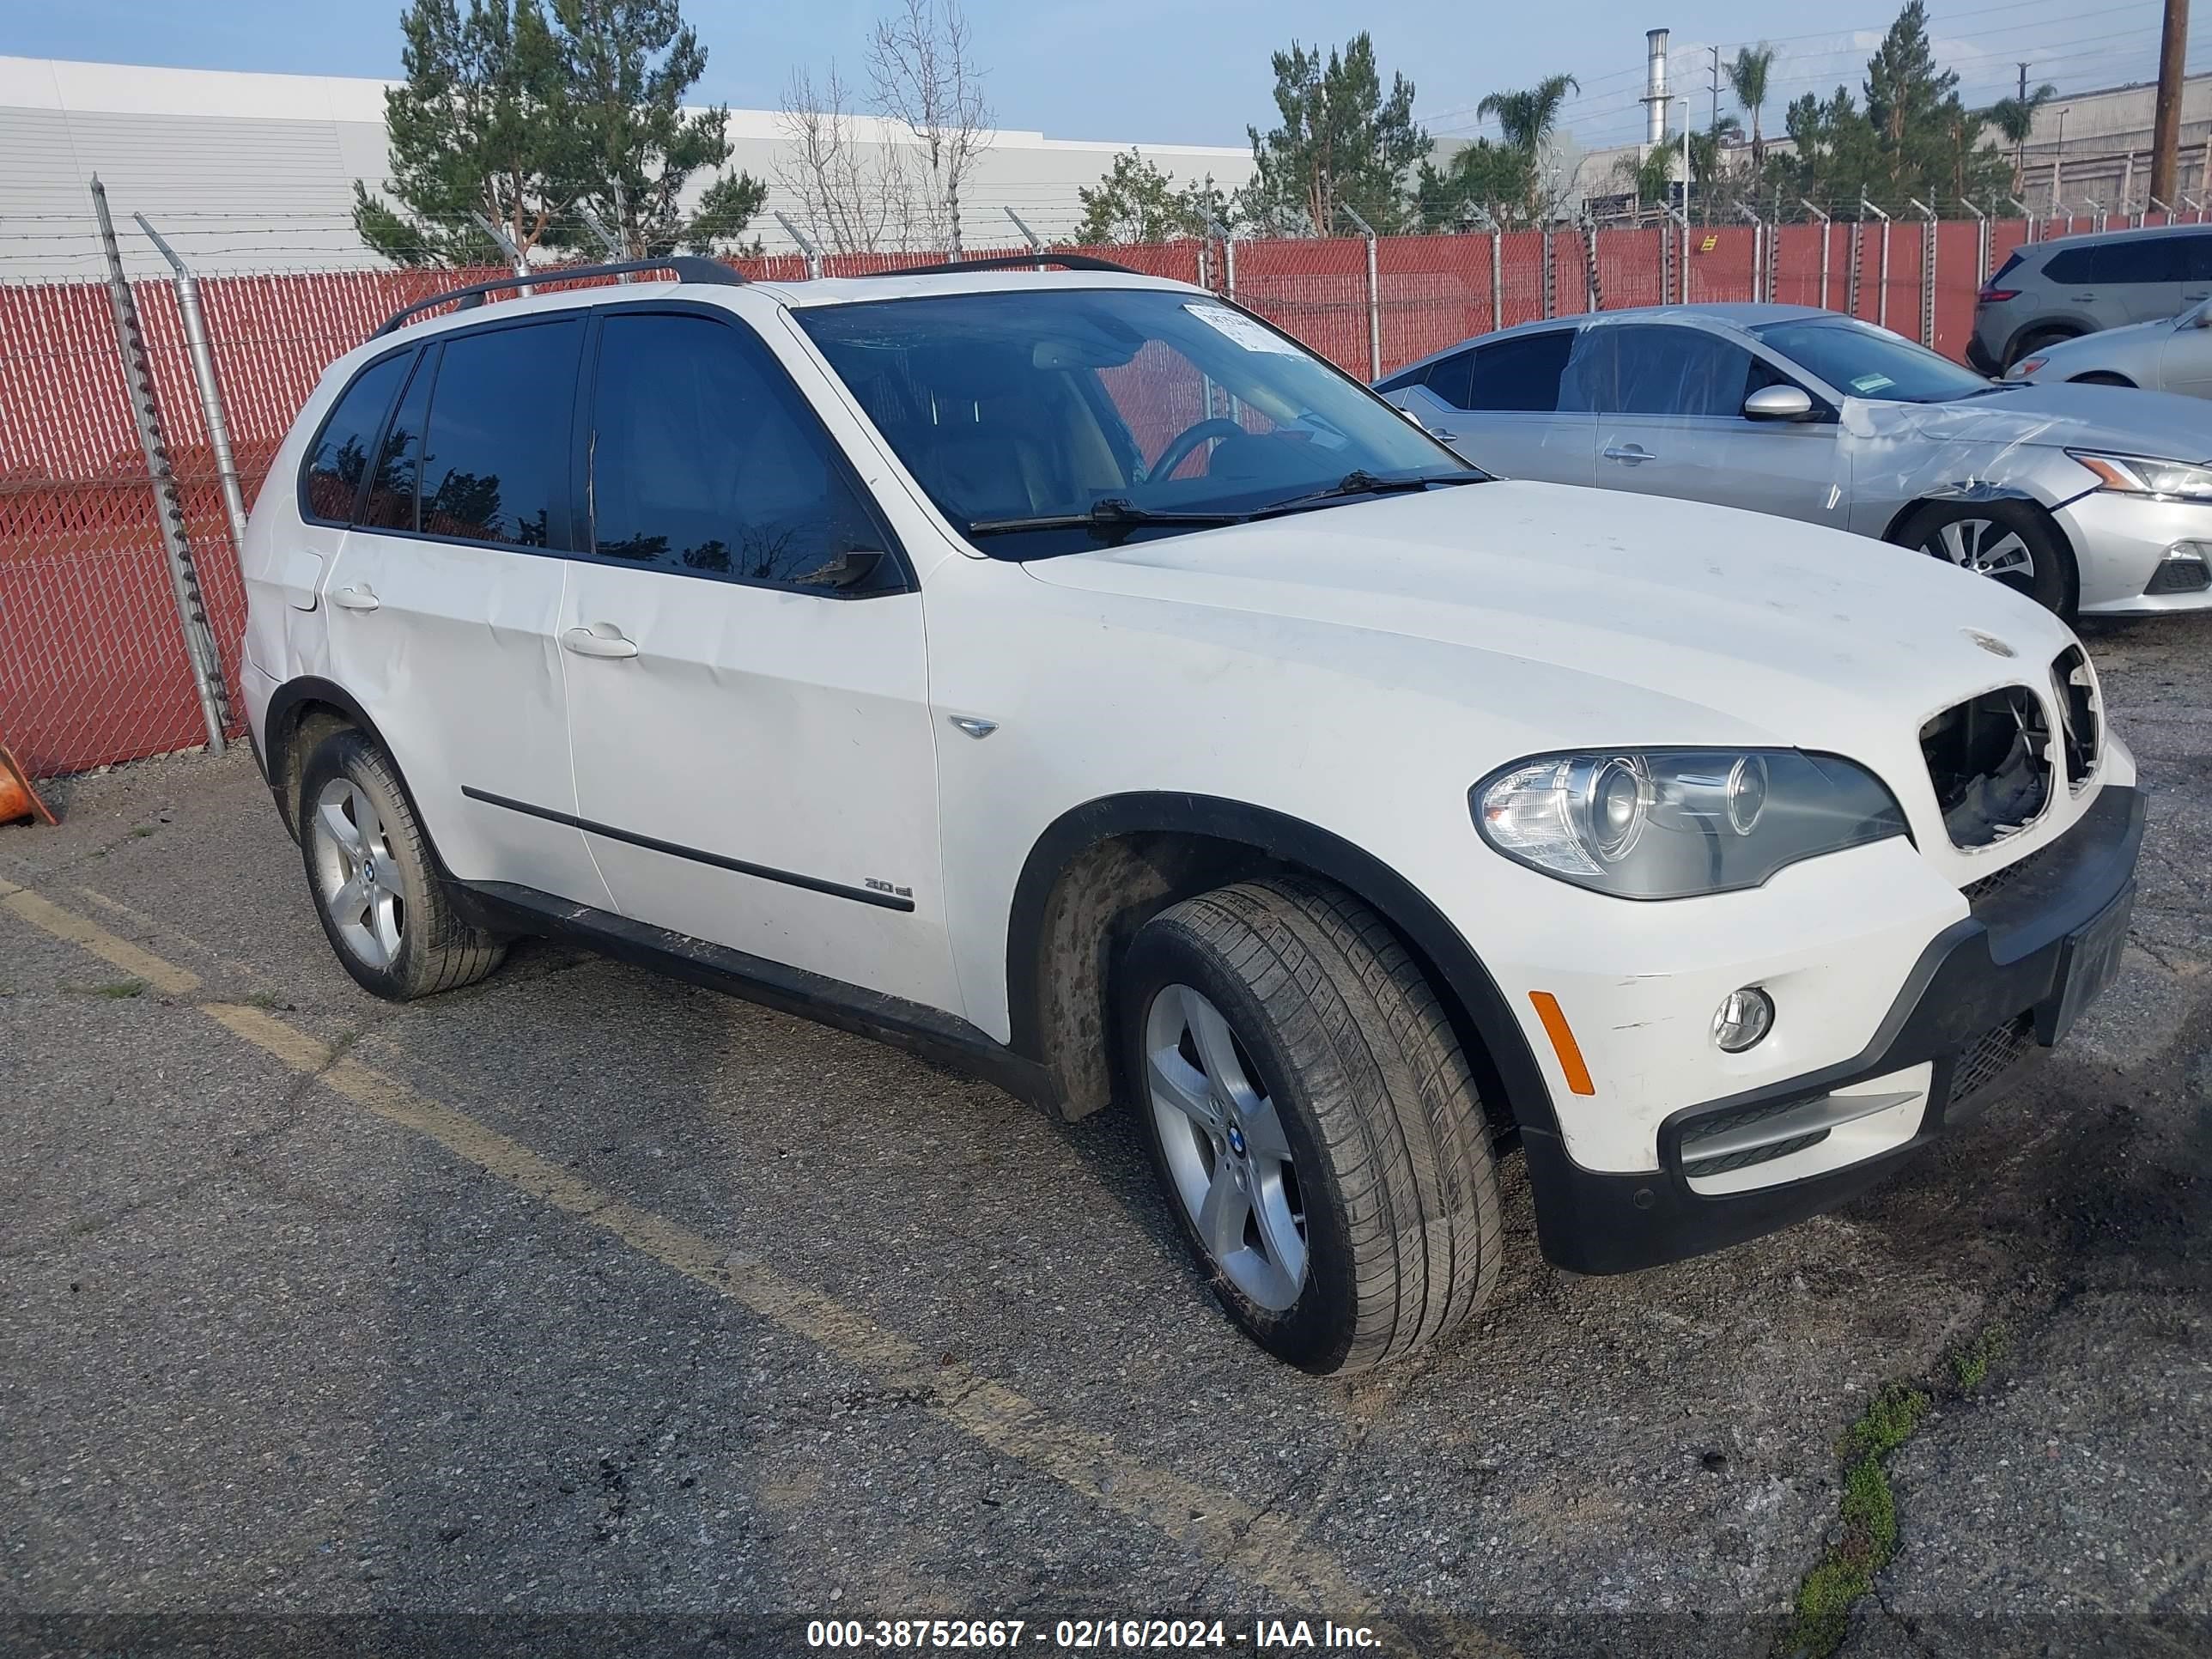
x=2035 y=950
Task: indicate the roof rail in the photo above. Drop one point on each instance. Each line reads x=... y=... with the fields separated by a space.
x=688 y=267
x=1013 y=262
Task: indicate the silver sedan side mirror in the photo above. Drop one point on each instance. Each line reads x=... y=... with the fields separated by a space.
x=1778 y=403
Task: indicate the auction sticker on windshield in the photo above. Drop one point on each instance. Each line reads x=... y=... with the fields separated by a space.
x=1242 y=329
x=1867 y=385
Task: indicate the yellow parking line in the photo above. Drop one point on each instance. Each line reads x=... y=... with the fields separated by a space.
x=1261 y=1547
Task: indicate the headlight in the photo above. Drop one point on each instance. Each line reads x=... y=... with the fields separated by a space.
x=2146 y=475
x=1668 y=824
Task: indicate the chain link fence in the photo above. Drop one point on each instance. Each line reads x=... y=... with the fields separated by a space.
x=93 y=663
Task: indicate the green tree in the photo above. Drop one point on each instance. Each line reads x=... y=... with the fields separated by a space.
x=1137 y=201
x=1708 y=170
x=1748 y=78
x=1650 y=177
x=1481 y=179
x=1526 y=122
x=634 y=148
x=2014 y=117
x=526 y=116
x=1905 y=96
x=476 y=128
x=1341 y=144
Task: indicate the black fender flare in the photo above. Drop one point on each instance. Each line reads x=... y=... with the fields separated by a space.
x=279 y=727
x=1462 y=982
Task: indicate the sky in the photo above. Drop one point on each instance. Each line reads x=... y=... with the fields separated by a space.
x=1171 y=71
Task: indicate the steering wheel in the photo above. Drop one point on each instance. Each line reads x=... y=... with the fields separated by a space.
x=1179 y=446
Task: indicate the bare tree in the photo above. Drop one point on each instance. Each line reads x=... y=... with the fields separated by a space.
x=853 y=190
x=925 y=79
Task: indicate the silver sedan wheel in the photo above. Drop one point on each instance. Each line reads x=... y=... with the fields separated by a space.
x=1983 y=546
x=357 y=873
x=1226 y=1151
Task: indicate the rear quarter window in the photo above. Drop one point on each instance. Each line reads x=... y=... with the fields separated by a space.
x=338 y=459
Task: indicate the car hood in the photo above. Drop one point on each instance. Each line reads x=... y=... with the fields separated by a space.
x=1780 y=632
x=2124 y=338
x=2044 y=415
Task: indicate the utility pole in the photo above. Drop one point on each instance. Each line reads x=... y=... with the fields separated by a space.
x=2165 y=130
x=2019 y=150
x=1715 y=135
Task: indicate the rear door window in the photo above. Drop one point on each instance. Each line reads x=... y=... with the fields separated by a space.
x=495 y=454
x=2139 y=259
x=337 y=461
x=1519 y=375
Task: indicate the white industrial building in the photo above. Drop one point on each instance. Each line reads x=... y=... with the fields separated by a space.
x=257 y=171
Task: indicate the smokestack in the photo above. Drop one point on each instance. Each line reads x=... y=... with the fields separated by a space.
x=1655 y=87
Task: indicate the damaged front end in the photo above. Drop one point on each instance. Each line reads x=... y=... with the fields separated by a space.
x=1990 y=760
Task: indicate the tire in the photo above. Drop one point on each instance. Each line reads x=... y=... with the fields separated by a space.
x=1333 y=1048
x=2101 y=377
x=402 y=938
x=1989 y=537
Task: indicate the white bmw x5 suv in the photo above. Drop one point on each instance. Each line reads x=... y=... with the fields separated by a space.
x=1071 y=675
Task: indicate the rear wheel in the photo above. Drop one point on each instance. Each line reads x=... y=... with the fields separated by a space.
x=383 y=905
x=2007 y=541
x=1313 y=1120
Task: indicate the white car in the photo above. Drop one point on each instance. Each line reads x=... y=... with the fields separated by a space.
x=1071 y=675
x=2173 y=354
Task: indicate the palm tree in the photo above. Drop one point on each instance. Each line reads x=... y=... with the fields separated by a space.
x=1525 y=121
x=1747 y=80
x=2015 y=119
x=1706 y=161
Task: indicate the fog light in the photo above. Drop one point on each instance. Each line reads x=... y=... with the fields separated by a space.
x=1744 y=1017
x=2185 y=570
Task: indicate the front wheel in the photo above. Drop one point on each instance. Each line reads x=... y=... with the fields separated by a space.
x=1313 y=1120
x=2005 y=541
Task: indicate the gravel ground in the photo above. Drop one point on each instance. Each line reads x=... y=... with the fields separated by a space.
x=583 y=1296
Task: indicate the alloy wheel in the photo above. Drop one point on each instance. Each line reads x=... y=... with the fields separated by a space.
x=1983 y=546
x=358 y=873
x=1226 y=1151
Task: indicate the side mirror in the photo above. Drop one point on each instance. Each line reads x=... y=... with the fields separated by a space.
x=2203 y=317
x=1778 y=402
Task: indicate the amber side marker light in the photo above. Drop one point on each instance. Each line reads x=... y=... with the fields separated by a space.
x=1563 y=1041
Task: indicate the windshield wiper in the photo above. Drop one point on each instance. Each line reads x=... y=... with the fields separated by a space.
x=1110 y=518
x=1984 y=390
x=1360 y=482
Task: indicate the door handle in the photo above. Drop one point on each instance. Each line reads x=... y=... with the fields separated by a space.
x=599 y=640
x=361 y=597
x=1439 y=432
x=1631 y=453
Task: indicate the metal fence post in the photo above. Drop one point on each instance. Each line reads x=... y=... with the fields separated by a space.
x=1927 y=224
x=812 y=254
x=1593 y=295
x=1757 y=250
x=202 y=353
x=1881 y=288
x=168 y=506
x=1497 y=275
x=1374 y=296
x=1821 y=219
x=1682 y=264
x=519 y=264
x=1981 y=241
x=608 y=240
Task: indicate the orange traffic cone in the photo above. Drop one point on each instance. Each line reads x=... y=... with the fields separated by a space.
x=17 y=799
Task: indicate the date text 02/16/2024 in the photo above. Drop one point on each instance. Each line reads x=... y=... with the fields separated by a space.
x=1089 y=1635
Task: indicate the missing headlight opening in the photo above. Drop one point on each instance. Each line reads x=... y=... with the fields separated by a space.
x=1990 y=760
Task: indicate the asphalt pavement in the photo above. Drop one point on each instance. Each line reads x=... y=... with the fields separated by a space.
x=584 y=1309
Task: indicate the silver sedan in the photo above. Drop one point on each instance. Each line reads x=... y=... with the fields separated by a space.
x=2088 y=498
x=2172 y=355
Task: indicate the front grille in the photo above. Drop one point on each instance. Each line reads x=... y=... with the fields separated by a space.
x=1986 y=1062
x=1744 y=1160
x=2081 y=718
x=1989 y=759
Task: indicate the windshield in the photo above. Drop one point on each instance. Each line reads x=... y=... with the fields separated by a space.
x=1046 y=420
x=1866 y=362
